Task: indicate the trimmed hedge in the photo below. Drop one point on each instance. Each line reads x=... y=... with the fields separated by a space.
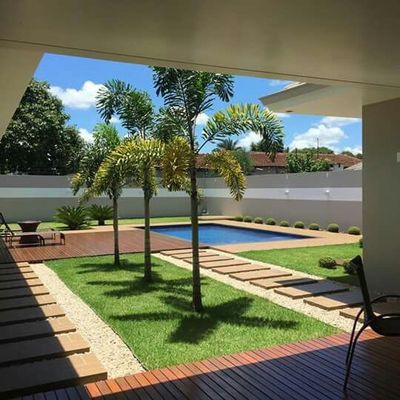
x=284 y=223
x=314 y=227
x=327 y=262
x=270 y=221
x=333 y=228
x=239 y=218
x=354 y=230
x=299 y=225
x=247 y=218
x=258 y=220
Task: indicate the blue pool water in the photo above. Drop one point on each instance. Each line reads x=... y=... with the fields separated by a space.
x=222 y=234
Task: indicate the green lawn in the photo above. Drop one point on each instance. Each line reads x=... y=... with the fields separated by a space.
x=156 y=322
x=155 y=220
x=305 y=259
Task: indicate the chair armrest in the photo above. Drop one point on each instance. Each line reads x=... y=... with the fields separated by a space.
x=386 y=296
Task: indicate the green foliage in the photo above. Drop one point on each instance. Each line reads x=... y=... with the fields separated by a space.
x=258 y=220
x=361 y=242
x=354 y=230
x=270 y=221
x=247 y=218
x=315 y=150
x=239 y=218
x=349 y=153
x=299 y=225
x=245 y=161
x=347 y=266
x=327 y=262
x=228 y=144
x=305 y=162
x=333 y=228
x=100 y=213
x=314 y=227
x=284 y=224
x=38 y=139
x=265 y=147
x=73 y=217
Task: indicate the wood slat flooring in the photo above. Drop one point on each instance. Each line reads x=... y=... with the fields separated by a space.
x=308 y=370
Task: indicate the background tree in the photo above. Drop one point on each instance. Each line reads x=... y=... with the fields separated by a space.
x=228 y=144
x=315 y=150
x=187 y=94
x=105 y=140
x=305 y=162
x=265 y=146
x=245 y=161
x=351 y=154
x=38 y=139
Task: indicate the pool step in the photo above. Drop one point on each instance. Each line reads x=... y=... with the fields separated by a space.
x=336 y=301
x=312 y=289
x=239 y=268
x=261 y=274
x=273 y=283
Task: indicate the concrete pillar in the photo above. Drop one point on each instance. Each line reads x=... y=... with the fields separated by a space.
x=17 y=67
x=381 y=195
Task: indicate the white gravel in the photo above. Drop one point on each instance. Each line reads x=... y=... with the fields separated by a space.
x=329 y=317
x=108 y=347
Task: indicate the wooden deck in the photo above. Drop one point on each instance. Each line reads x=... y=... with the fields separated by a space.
x=81 y=244
x=311 y=370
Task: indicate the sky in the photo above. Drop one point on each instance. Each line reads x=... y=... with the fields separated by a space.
x=75 y=80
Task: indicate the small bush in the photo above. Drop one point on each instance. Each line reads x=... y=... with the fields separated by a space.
x=74 y=217
x=347 y=268
x=270 y=221
x=361 y=242
x=327 y=262
x=333 y=228
x=314 y=227
x=299 y=225
x=258 y=220
x=284 y=223
x=239 y=218
x=247 y=218
x=354 y=230
x=100 y=213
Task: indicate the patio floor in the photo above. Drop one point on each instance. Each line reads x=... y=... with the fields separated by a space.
x=312 y=369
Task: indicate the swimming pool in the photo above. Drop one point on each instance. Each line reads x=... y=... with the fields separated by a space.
x=223 y=234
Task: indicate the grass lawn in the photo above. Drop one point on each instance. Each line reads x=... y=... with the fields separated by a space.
x=122 y=221
x=156 y=322
x=305 y=259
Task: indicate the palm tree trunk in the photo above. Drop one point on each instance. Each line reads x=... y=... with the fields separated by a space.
x=116 y=233
x=197 y=304
x=147 y=245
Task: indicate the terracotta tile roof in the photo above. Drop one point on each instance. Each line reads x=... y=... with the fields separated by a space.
x=261 y=160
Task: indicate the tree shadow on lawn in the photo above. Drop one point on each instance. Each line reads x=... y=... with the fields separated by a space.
x=193 y=328
x=125 y=265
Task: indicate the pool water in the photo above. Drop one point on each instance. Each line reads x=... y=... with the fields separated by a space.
x=222 y=234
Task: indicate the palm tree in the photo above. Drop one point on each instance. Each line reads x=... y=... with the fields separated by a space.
x=106 y=139
x=187 y=94
x=228 y=144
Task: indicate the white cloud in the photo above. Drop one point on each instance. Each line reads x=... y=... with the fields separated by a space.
x=115 y=120
x=355 y=150
x=246 y=141
x=338 y=121
x=202 y=119
x=282 y=115
x=82 y=98
x=86 y=135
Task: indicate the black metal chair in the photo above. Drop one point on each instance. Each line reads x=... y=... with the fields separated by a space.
x=384 y=324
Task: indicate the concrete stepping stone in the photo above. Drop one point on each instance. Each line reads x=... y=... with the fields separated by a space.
x=239 y=268
x=18 y=276
x=261 y=274
x=24 y=302
x=31 y=314
x=171 y=252
x=379 y=308
x=209 y=257
x=226 y=263
x=35 y=329
x=336 y=301
x=181 y=256
x=273 y=283
x=23 y=292
x=313 y=289
x=34 y=349
x=18 y=264
x=20 y=284
x=14 y=270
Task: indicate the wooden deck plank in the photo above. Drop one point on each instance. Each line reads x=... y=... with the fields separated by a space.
x=65 y=371
x=31 y=314
x=36 y=329
x=14 y=270
x=23 y=292
x=24 y=302
x=227 y=263
x=18 y=276
x=239 y=268
x=336 y=301
x=20 y=284
x=312 y=289
x=36 y=349
x=261 y=274
x=273 y=283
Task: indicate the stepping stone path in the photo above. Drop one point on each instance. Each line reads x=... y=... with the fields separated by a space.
x=321 y=293
x=39 y=346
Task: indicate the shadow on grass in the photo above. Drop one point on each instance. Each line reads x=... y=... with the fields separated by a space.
x=346 y=279
x=193 y=328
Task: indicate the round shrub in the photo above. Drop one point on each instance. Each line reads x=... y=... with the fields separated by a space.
x=333 y=228
x=348 y=268
x=284 y=223
x=314 y=227
x=258 y=220
x=361 y=242
x=354 y=230
x=299 y=225
x=327 y=262
x=270 y=221
x=247 y=218
x=239 y=218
